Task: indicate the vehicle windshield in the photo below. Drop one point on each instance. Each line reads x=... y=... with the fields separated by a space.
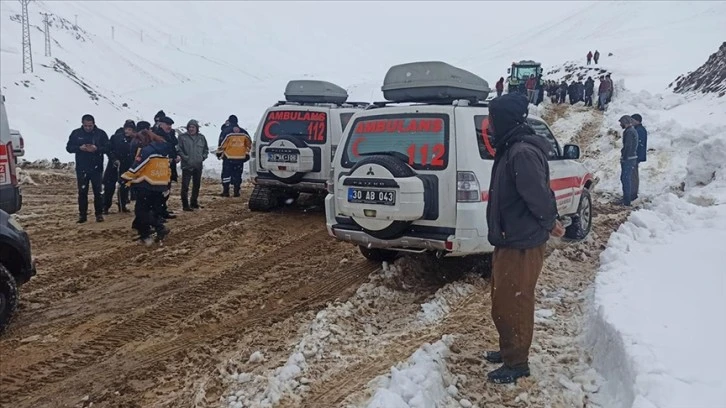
x=421 y=140
x=310 y=126
x=523 y=73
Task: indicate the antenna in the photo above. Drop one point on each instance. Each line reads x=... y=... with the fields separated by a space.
x=27 y=54
x=46 y=23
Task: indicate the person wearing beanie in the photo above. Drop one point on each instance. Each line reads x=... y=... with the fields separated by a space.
x=233 y=149
x=89 y=143
x=167 y=132
x=120 y=159
x=628 y=157
x=521 y=215
x=193 y=150
x=160 y=114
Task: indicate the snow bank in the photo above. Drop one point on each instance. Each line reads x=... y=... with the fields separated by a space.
x=420 y=382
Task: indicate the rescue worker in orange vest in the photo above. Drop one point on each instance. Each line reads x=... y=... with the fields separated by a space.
x=234 y=150
x=149 y=177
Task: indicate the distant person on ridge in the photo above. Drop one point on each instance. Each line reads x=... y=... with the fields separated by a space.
x=521 y=214
x=589 y=57
x=500 y=86
x=193 y=150
x=642 y=151
x=89 y=144
x=628 y=157
x=602 y=92
x=169 y=135
x=234 y=150
x=530 y=85
x=596 y=56
x=119 y=160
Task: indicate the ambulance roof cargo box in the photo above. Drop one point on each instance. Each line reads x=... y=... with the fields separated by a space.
x=432 y=81
x=310 y=91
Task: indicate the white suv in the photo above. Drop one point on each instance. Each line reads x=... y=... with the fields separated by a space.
x=295 y=142
x=413 y=174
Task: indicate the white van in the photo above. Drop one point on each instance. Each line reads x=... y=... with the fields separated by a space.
x=11 y=200
x=412 y=174
x=295 y=142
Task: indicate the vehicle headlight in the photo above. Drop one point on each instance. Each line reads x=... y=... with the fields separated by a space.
x=13 y=223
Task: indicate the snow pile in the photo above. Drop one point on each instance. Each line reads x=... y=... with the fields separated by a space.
x=440 y=306
x=421 y=382
x=659 y=329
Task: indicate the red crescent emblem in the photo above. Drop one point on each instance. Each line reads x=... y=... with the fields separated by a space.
x=355 y=146
x=485 y=136
x=266 y=131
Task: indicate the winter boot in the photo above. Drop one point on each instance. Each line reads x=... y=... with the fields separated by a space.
x=162 y=233
x=185 y=205
x=493 y=357
x=508 y=375
x=99 y=218
x=236 y=192
x=82 y=219
x=225 y=190
x=196 y=206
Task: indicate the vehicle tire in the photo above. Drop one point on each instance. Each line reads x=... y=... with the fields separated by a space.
x=262 y=199
x=295 y=178
x=398 y=169
x=378 y=255
x=582 y=221
x=8 y=297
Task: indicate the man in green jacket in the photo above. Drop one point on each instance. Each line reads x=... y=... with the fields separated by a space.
x=193 y=150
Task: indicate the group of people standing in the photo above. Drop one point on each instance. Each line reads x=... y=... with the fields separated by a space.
x=591 y=57
x=577 y=91
x=143 y=159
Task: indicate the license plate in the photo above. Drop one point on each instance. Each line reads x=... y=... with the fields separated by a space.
x=281 y=158
x=383 y=197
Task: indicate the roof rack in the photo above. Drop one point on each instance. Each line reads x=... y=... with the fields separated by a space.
x=328 y=104
x=433 y=82
x=455 y=102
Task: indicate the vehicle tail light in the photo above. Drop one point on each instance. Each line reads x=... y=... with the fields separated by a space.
x=467 y=187
x=7 y=165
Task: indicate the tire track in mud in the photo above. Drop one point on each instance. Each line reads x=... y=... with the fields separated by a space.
x=25 y=381
x=147 y=362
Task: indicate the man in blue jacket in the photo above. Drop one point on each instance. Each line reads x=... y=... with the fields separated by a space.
x=628 y=157
x=642 y=151
x=89 y=144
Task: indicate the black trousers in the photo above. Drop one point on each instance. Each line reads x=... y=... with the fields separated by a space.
x=110 y=179
x=94 y=177
x=232 y=173
x=588 y=100
x=195 y=177
x=148 y=212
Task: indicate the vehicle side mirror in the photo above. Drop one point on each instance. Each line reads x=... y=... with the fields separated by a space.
x=571 y=152
x=509 y=70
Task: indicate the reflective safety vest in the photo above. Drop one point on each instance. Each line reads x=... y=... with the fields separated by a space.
x=154 y=170
x=235 y=146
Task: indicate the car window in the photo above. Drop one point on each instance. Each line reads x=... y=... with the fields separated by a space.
x=420 y=139
x=542 y=130
x=309 y=126
x=484 y=141
x=344 y=119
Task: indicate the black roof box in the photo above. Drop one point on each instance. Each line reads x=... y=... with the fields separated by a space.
x=432 y=82
x=311 y=91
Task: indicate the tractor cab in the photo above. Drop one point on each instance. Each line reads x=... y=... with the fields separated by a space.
x=520 y=72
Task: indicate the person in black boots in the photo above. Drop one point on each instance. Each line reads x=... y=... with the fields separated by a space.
x=193 y=150
x=234 y=149
x=89 y=144
x=167 y=133
x=149 y=177
x=119 y=160
x=521 y=215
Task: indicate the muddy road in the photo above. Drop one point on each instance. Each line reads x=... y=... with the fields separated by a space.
x=242 y=309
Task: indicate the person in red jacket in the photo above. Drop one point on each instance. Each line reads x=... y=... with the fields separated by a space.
x=500 y=86
x=531 y=84
x=589 y=57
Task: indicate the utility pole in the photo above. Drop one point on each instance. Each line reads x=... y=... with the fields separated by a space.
x=27 y=52
x=46 y=24
x=113 y=34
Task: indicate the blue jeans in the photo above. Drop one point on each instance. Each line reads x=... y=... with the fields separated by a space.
x=603 y=96
x=627 y=167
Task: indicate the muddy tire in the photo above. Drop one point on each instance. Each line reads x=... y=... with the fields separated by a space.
x=8 y=297
x=582 y=221
x=262 y=199
x=378 y=255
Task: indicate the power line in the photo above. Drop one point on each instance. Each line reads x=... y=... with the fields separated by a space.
x=46 y=22
x=27 y=52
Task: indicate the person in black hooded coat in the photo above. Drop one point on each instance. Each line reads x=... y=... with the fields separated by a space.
x=521 y=215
